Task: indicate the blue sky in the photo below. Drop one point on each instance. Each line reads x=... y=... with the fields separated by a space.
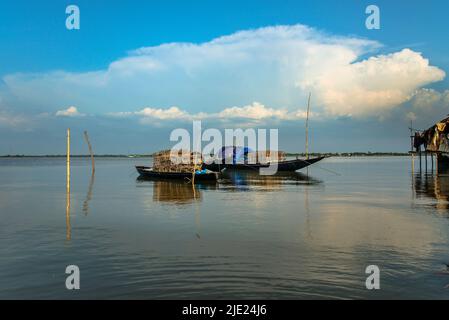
x=123 y=96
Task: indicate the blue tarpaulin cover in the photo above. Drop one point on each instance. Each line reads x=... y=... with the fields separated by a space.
x=237 y=154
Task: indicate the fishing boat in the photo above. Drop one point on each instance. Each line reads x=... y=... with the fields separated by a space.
x=198 y=176
x=282 y=166
x=236 y=158
x=243 y=158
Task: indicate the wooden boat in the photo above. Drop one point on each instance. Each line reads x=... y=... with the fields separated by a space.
x=283 y=166
x=149 y=173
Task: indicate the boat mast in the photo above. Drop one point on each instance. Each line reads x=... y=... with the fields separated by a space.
x=307 y=127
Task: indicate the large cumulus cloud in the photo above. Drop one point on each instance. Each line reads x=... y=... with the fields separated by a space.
x=277 y=66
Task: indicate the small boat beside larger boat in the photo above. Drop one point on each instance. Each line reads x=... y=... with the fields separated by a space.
x=172 y=165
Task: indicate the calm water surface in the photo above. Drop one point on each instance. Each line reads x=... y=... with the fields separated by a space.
x=293 y=237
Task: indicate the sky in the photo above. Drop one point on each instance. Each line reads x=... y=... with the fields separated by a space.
x=136 y=70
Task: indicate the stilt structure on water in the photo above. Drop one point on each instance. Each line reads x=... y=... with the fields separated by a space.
x=433 y=143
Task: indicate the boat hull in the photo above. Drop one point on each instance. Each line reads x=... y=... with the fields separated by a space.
x=282 y=166
x=148 y=173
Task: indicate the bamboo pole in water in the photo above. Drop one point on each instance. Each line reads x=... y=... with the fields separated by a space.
x=89 y=194
x=86 y=136
x=68 y=160
x=436 y=164
x=425 y=158
x=67 y=211
x=420 y=160
x=431 y=160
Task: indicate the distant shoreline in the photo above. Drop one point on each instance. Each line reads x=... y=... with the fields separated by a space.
x=78 y=156
x=316 y=154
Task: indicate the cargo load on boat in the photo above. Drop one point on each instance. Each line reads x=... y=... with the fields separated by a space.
x=233 y=155
x=177 y=161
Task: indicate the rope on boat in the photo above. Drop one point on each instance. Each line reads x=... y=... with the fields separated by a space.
x=320 y=167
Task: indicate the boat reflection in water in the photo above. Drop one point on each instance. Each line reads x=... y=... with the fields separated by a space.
x=176 y=192
x=433 y=187
x=181 y=192
x=246 y=180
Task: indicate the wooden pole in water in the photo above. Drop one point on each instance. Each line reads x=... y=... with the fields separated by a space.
x=68 y=161
x=431 y=160
x=307 y=126
x=420 y=166
x=67 y=211
x=90 y=151
x=425 y=158
x=436 y=164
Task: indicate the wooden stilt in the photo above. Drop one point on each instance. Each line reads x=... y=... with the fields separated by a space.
x=420 y=162
x=436 y=163
x=425 y=159
x=431 y=160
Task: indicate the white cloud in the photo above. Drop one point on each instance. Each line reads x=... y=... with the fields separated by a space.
x=253 y=112
x=149 y=113
x=164 y=114
x=427 y=98
x=376 y=85
x=258 y=111
x=69 y=112
x=277 y=65
x=424 y=107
